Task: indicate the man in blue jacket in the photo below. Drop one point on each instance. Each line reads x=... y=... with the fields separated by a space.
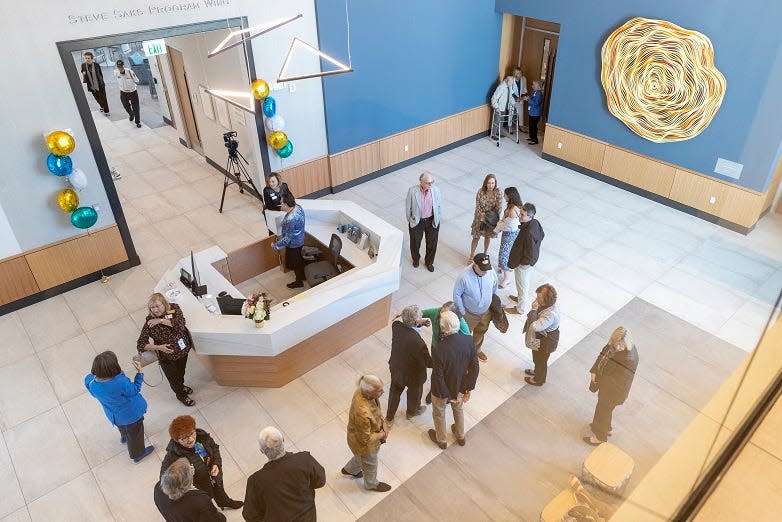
x=455 y=369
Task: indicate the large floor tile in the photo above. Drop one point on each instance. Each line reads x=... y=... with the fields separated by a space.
x=119 y=336
x=16 y=343
x=79 y=499
x=25 y=392
x=298 y=411
x=128 y=487
x=82 y=302
x=132 y=288
x=11 y=498
x=97 y=437
x=49 y=322
x=66 y=364
x=45 y=453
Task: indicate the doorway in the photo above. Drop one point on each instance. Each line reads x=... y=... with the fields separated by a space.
x=152 y=185
x=532 y=45
x=185 y=99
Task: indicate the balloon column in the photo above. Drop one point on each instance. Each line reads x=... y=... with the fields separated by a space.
x=275 y=124
x=59 y=163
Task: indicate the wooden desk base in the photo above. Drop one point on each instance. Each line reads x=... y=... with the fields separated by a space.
x=277 y=371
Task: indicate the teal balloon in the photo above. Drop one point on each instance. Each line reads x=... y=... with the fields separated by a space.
x=59 y=165
x=286 y=151
x=269 y=107
x=84 y=217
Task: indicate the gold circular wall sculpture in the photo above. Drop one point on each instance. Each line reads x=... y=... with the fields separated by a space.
x=660 y=79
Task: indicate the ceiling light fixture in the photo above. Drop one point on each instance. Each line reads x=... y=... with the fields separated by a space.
x=296 y=43
x=222 y=47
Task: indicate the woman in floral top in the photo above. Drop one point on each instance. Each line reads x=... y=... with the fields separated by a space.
x=165 y=332
x=488 y=199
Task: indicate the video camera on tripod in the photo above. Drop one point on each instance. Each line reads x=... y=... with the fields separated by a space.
x=229 y=139
x=235 y=168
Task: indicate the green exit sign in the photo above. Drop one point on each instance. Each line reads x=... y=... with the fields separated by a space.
x=153 y=47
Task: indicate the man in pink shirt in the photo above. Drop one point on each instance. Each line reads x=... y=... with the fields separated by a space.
x=422 y=210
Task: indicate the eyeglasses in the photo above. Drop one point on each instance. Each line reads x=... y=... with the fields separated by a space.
x=427 y=182
x=187 y=437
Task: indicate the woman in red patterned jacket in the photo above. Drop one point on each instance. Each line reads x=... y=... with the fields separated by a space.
x=165 y=333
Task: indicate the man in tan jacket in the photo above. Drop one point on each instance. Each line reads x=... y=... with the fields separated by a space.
x=367 y=430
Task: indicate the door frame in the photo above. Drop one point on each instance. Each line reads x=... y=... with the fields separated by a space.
x=183 y=92
x=165 y=90
x=65 y=48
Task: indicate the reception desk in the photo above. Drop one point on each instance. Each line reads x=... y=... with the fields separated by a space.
x=306 y=329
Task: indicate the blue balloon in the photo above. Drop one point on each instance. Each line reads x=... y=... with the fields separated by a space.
x=286 y=151
x=84 y=217
x=269 y=106
x=59 y=165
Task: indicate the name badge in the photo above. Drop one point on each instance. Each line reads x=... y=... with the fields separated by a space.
x=181 y=343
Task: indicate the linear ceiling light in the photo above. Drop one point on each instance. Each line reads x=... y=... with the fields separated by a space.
x=222 y=47
x=296 y=43
x=227 y=95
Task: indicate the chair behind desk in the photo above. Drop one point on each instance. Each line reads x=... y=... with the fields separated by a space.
x=321 y=271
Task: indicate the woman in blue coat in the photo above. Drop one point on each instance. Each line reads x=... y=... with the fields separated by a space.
x=292 y=238
x=535 y=106
x=121 y=400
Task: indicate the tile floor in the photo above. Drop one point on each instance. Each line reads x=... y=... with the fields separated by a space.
x=603 y=247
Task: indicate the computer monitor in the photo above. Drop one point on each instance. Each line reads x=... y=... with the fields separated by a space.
x=196 y=287
x=230 y=305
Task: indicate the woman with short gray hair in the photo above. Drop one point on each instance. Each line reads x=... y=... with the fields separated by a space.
x=177 y=499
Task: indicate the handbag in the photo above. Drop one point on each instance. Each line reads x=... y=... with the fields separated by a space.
x=145 y=358
x=490 y=220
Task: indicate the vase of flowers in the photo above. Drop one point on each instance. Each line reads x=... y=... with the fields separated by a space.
x=256 y=307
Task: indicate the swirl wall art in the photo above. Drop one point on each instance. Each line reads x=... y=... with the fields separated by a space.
x=660 y=79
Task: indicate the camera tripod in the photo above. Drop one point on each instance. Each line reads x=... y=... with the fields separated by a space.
x=236 y=173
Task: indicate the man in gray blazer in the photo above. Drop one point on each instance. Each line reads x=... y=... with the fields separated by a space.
x=422 y=210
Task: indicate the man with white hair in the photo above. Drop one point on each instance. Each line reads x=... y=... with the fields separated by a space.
x=423 y=213
x=284 y=488
x=367 y=430
x=455 y=369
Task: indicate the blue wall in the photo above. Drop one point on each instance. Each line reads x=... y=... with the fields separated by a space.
x=748 y=127
x=415 y=61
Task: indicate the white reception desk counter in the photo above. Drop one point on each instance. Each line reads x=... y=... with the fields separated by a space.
x=308 y=328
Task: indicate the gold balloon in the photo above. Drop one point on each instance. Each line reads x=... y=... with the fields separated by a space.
x=260 y=89
x=68 y=200
x=278 y=140
x=60 y=143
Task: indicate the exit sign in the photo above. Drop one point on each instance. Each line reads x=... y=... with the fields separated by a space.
x=153 y=47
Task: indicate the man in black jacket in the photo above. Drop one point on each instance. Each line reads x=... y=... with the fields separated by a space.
x=455 y=369
x=284 y=488
x=92 y=75
x=408 y=363
x=177 y=499
x=523 y=256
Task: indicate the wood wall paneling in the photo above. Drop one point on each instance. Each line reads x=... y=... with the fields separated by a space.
x=641 y=172
x=576 y=149
x=277 y=371
x=534 y=23
x=508 y=41
x=773 y=187
x=392 y=149
x=308 y=177
x=354 y=163
x=696 y=192
x=17 y=280
x=252 y=260
x=742 y=206
x=76 y=257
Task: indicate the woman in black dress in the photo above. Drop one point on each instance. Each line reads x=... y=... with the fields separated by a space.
x=273 y=192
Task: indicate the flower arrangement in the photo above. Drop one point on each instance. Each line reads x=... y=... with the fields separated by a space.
x=256 y=307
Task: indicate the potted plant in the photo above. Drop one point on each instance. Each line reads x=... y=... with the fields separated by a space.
x=256 y=307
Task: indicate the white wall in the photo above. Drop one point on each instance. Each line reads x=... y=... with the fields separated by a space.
x=9 y=246
x=37 y=97
x=161 y=92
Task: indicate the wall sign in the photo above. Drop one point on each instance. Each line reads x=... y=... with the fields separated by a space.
x=154 y=47
x=152 y=9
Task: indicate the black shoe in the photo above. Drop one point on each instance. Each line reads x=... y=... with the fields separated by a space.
x=187 y=389
x=461 y=441
x=231 y=504
x=430 y=268
x=415 y=263
x=381 y=487
x=147 y=451
x=433 y=437
x=532 y=142
x=138 y=125
x=354 y=475
x=187 y=401
x=592 y=441
x=530 y=380
x=360 y=474
x=428 y=399
x=295 y=284
x=529 y=372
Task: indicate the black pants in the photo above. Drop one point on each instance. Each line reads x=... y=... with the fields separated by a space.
x=100 y=97
x=130 y=102
x=424 y=227
x=540 y=358
x=414 y=392
x=533 y=128
x=601 y=422
x=134 y=433
x=175 y=373
x=295 y=262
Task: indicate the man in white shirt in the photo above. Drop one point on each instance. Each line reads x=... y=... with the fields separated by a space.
x=128 y=95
